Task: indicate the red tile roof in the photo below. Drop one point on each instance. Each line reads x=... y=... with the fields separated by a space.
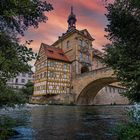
x=55 y=53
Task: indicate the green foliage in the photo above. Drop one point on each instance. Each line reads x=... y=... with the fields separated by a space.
x=134 y=114
x=17 y=16
x=130 y=131
x=13 y=57
x=27 y=91
x=9 y=97
x=123 y=55
x=6 y=125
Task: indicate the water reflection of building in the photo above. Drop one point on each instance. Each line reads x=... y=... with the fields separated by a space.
x=58 y=64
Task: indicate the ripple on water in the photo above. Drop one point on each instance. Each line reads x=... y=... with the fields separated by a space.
x=84 y=136
x=24 y=133
x=27 y=106
x=66 y=122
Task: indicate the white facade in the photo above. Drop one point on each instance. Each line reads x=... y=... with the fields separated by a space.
x=20 y=80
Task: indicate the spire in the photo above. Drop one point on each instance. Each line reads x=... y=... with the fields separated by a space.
x=71 y=20
x=71 y=10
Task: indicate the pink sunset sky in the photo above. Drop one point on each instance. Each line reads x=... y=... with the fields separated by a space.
x=90 y=15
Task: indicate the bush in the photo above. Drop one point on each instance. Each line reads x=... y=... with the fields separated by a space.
x=9 y=97
x=6 y=125
x=134 y=113
x=28 y=90
x=130 y=130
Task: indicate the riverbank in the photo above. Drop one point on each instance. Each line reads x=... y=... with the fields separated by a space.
x=6 y=127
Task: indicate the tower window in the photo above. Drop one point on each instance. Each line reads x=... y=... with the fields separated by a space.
x=81 y=55
x=68 y=44
x=80 y=42
x=86 y=44
x=87 y=57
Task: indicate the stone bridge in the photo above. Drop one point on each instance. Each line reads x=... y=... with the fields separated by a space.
x=87 y=85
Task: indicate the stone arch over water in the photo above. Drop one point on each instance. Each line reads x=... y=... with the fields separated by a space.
x=89 y=92
x=87 y=85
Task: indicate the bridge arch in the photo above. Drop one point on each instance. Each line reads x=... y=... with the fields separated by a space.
x=91 y=90
x=87 y=85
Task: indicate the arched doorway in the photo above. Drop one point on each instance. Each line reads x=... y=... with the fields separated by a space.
x=84 y=69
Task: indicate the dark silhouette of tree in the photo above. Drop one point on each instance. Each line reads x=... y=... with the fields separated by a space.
x=16 y=16
x=124 y=54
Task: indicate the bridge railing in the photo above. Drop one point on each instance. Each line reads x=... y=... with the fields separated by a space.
x=94 y=72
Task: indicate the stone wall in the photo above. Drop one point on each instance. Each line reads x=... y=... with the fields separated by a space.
x=53 y=99
x=110 y=95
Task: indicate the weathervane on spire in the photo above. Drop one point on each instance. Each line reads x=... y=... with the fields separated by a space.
x=71 y=20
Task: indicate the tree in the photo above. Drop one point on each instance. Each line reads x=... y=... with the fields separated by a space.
x=17 y=16
x=28 y=90
x=124 y=54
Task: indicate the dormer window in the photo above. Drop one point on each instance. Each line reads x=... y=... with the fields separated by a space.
x=85 y=33
x=61 y=54
x=51 y=51
x=68 y=44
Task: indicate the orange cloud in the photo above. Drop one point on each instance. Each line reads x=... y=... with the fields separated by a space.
x=89 y=13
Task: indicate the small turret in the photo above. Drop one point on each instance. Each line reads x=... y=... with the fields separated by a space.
x=72 y=20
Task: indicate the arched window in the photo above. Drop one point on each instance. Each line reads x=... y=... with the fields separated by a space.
x=84 y=69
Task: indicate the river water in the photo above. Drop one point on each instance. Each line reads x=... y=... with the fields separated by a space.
x=54 y=122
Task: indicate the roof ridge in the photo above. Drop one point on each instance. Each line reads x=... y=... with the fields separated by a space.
x=51 y=46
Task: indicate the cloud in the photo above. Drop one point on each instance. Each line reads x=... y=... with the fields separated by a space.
x=89 y=13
